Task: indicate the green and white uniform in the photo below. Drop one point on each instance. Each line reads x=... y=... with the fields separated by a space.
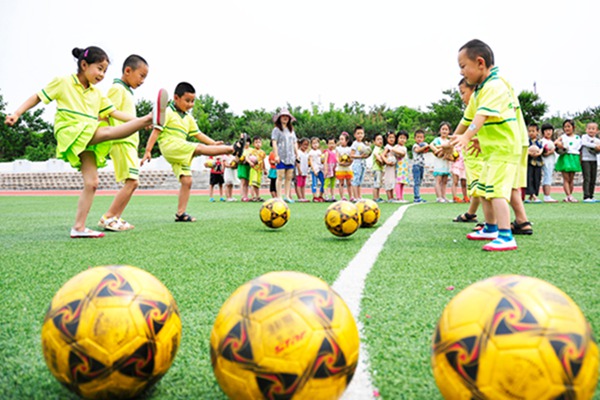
x=124 y=152
x=172 y=140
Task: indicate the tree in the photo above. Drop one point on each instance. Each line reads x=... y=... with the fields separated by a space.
x=143 y=107
x=532 y=106
x=213 y=118
x=448 y=109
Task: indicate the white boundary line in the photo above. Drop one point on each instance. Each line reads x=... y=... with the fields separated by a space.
x=350 y=285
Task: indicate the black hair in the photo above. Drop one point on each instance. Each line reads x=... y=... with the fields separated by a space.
x=569 y=121
x=418 y=131
x=377 y=134
x=402 y=132
x=390 y=133
x=312 y=139
x=463 y=81
x=547 y=126
x=134 y=62
x=348 y=138
x=447 y=124
x=476 y=48
x=330 y=138
x=279 y=125
x=90 y=55
x=358 y=127
x=255 y=138
x=183 y=88
x=534 y=124
x=303 y=140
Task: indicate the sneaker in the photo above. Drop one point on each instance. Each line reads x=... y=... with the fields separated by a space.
x=85 y=234
x=501 y=245
x=231 y=199
x=481 y=235
x=303 y=200
x=402 y=201
x=537 y=201
x=457 y=199
x=288 y=200
x=550 y=200
x=222 y=199
x=379 y=200
x=589 y=200
x=527 y=201
x=211 y=200
x=110 y=224
x=245 y=199
x=159 y=111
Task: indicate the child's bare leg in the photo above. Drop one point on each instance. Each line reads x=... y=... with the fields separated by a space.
x=516 y=203
x=463 y=188
x=105 y=133
x=211 y=189
x=454 y=185
x=244 y=188
x=488 y=211
x=122 y=198
x=289 y=173
x=184 y=193
x=474 y=205
x=89 y=171
x=221 y=191
x=565 y=182
x=444 y=186
x=571 y=176
x=502 y=212
x=229 y=191
x=279 y=182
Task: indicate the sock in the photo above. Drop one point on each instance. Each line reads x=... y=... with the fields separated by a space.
x=505 y=234
x=489 y=228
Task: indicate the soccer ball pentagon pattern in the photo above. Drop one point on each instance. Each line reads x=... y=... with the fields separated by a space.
x=514 y=337
x=369 y=212
x=111 y=332
x=284 y=335
x=342 y=218
x=344 y=158
x=274 y=213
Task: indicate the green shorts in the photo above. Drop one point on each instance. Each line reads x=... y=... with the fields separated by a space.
x=497 y=179
x=329 y=183
x=473 y=167
x=244 y=171
x=179 y=154
x=125 y=161
x=521 y=175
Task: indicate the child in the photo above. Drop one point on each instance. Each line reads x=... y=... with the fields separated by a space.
x=494 y=115
x=359 y=152
x=330 y=166
x=124 y=152
x=589 y=161
x=171 y=137
x=402 y=165
x=343 y=172
x=549 y=160
x=418 y=169
x=302 y=170
x=230 y=176
x=459 y=177
x=377 y=167
x=389 y=169
x=316 y=170
x=534 y=164
x=243 y=172
x=568 y=163
x=80 y=139
x=272 y=173
x=441 y=166
x=216 y=177
x=285 y=147
x=257 y=168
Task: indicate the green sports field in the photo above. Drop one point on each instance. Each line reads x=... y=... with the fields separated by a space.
x=202 y=263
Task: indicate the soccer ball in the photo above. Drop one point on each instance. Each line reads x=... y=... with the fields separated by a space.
x=284 y=335
x=344 y=158
x=342 y=218
x=274 y=213
x=209 y=163
x=111 y=332
x=510 y=337
x=233 y=164
x=252 y=159
x=369 y=212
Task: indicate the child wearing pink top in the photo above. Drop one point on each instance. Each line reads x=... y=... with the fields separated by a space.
x=329 y=164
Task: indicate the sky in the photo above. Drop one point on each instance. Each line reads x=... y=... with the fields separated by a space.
x=265 y=54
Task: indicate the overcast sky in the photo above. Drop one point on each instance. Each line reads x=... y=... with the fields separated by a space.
x=263 y=54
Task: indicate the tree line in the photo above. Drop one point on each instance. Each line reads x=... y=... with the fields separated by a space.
x=33 y=139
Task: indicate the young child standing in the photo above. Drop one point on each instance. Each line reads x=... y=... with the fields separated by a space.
x=302 y=170
x=243 y=172
x=216 y=177
x=80 y=139
x=173 y=144
x=377 y=168
x=359 y=152
x=389 y=170
x=272 y=173
x=343 y=172
x=589 y=161
x=401 y=153
x=568 y=163
x=418 y=169
x=124 y=152
x=329 y=169
x=257 y=168
x=441 y=166
x=230 y=176
x=534 y=164
x=459 y=177
x=315 y=165
x=549 y=160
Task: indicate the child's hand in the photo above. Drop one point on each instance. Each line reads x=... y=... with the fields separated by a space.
x=10 y=120
x=147 y=156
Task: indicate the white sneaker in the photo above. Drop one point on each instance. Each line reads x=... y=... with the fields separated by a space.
x=501 y=245
x=589 y=200
x=85 y=234
x=159 y=111
x=481 y=235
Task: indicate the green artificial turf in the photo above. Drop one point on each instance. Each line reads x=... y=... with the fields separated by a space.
x=204 y=262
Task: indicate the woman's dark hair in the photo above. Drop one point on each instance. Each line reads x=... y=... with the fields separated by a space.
x=290 y=125
x=90 y=55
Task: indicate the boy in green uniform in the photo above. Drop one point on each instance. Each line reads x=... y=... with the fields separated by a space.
x=492 y=116
x=124 y=152
x=173 y=144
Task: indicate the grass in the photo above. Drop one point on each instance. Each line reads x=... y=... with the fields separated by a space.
x=203 y=263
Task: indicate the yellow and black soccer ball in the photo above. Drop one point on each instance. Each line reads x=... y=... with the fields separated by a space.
x=342 y=218
x=514 y=337
x=274 y=213
x=284 y=335
x=369 y=212
x=111 y=332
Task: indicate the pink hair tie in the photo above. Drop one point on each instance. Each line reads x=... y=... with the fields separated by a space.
x=85 y=53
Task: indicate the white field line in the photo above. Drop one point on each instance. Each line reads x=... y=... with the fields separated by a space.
x=350 y=285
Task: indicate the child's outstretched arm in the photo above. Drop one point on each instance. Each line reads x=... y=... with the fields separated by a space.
x=150 y=145
x=27 y=105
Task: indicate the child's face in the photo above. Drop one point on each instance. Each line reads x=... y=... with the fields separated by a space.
x=331 y=144
x=419 y=138
x=304 y=146
x=391 y=139
x=401 y=140
x=359 y=135
x=533 y=132
x=343 y=141
x=444 y=131
x=314 y=144
x=257 y=144
x=591 y=129
x=474 y=71
x=568 y=128
x=465 y=93
x=548 y=133
x=94 y=73
x=379 y=141
x=135 y=77
x=186 y=102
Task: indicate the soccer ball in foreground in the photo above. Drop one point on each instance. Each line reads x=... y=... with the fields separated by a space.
x=111 y=332
x=342 y=218
x=369 y=212
x=274 y=213
x=284 y=335
x=514 y=337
